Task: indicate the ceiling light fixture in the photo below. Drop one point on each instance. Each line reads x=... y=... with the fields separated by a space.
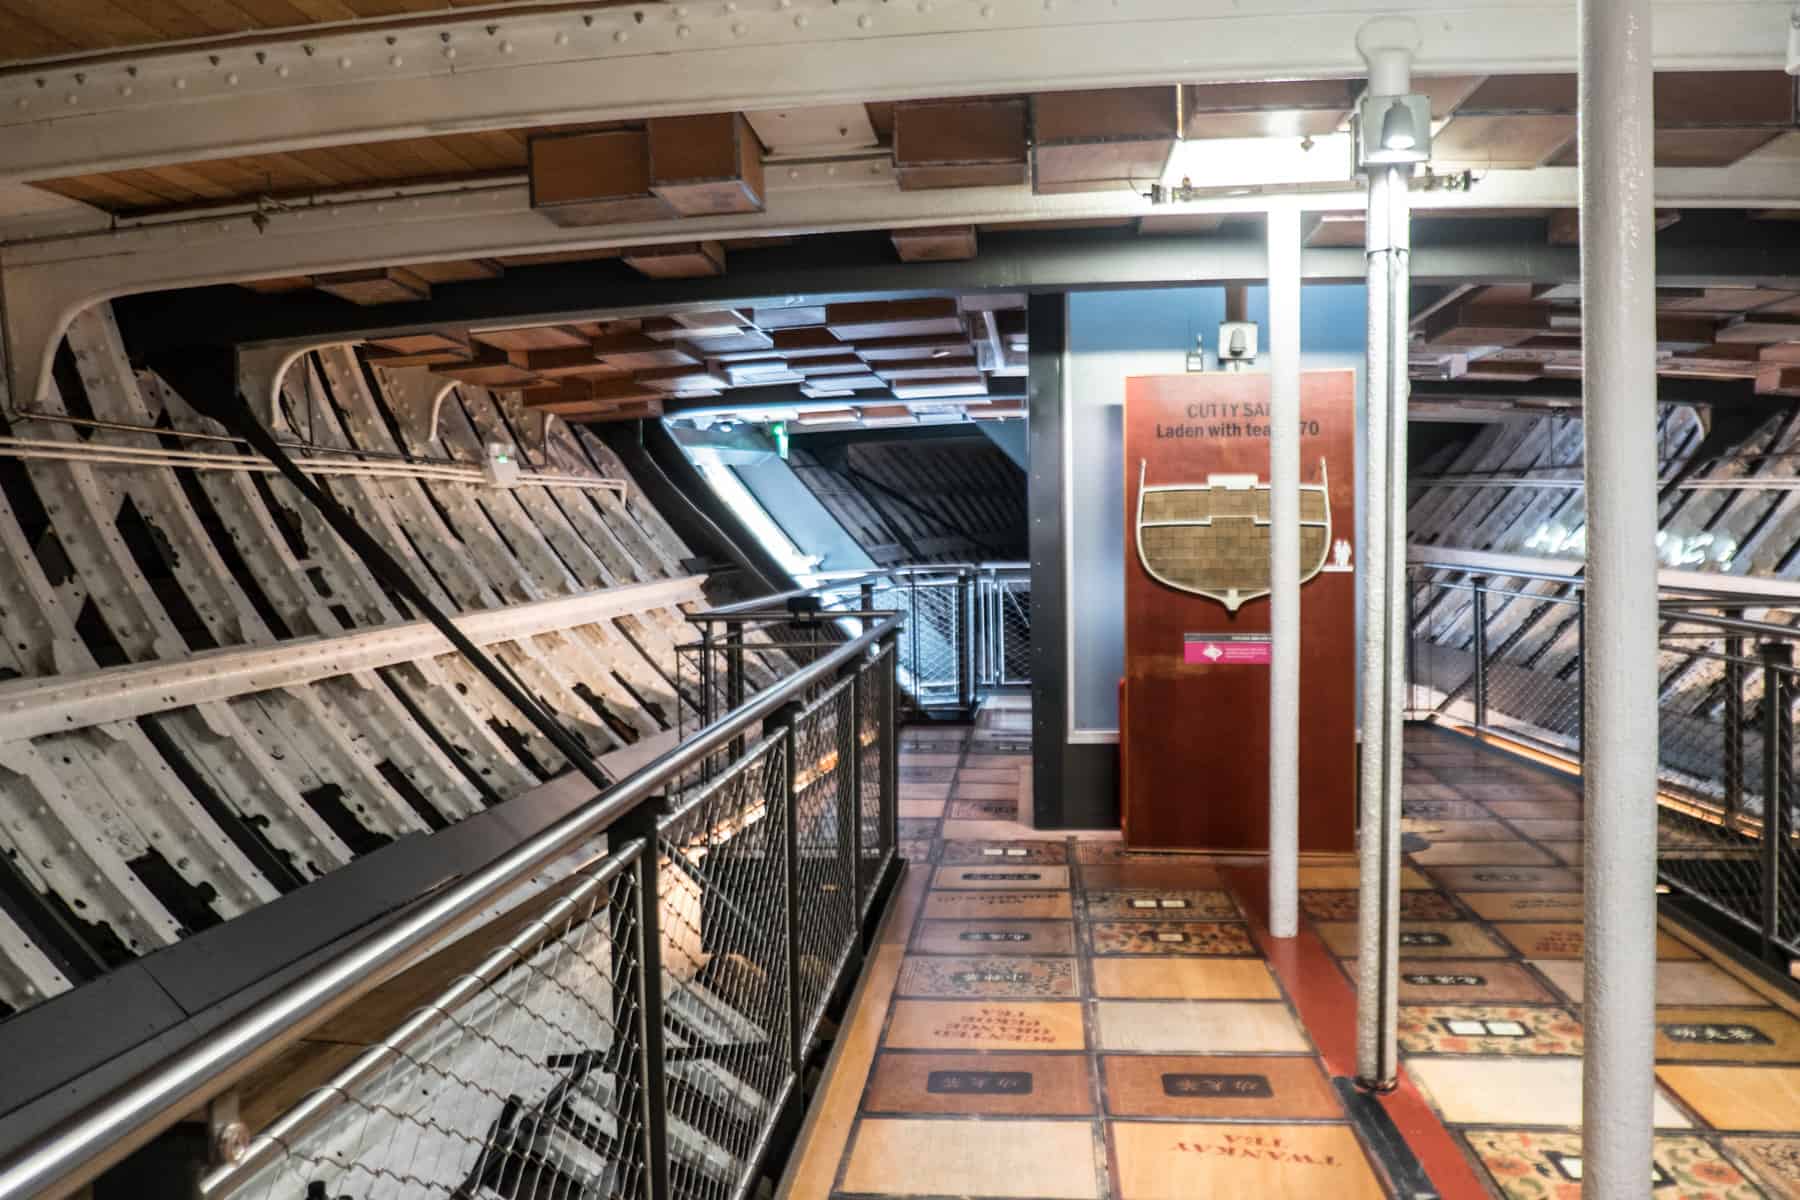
x=1397 y=128
x=1393 y=129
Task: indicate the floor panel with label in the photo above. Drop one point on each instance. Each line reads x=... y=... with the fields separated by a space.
x=1062 y=1017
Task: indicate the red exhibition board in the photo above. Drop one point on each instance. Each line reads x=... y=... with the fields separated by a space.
x=1194 y=736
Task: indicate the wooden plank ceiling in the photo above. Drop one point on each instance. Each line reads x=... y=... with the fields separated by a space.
x=1520 y=332
x=876 y=356
x=32 y=29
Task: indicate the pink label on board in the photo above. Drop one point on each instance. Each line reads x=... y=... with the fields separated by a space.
x=1238 y=650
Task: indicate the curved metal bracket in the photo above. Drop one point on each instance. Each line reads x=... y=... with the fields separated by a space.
x=261 y=370
x=417 y=398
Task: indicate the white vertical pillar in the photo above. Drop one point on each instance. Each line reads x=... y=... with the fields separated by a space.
x=1387 y=46
x=1385 y=396
x=1618 y=305
x=1284 y=571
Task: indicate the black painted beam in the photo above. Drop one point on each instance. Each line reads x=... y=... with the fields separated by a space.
x=1703 y=248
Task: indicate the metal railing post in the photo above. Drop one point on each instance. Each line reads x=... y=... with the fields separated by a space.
x=734 y=676
x=964 y=616
x=1778 y=778
x=1734 y=728
x=708 y=702
x=1412 y=640
x=1581 y=737
x=856 y=797
x=652 y=1056
x=890 y=749
x=987 y=625
x=708 y=674
x=781 y=725
x=912 y=634
x=1478 y=584
x=999 y=605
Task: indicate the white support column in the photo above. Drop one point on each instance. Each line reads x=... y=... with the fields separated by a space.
x=1284 y=571
x=1387 y=47
x=1618 y=304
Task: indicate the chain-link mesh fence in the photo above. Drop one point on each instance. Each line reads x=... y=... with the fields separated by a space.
x=523 y=1079
x=934 y=649
x=1726 y=827
x=1003 y=635
x=876 y=758
x=1526 y=637
x=825 y=857
x=1505 y=655
x=640 y=1025
x=967 y=630
x=723 y=878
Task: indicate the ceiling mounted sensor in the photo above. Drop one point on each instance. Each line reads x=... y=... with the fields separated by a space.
x=1237 y=345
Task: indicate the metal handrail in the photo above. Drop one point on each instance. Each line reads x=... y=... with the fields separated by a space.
x=1687 y=593
x=847 y=581
x=1675 y=609
x=107 y=1130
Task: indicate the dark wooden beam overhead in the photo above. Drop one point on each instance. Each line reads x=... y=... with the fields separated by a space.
x=935 y=243
x=1297 y=108
x=959 y=143
x=677 y=260
x=595 y=178
x=1086 y=141
x=378 y=285
x=706 y=165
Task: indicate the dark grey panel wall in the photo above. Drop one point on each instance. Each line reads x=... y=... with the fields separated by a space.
x=1074 y=785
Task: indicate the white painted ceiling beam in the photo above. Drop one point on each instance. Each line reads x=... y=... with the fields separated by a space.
x=34 y=707
x=500 y=71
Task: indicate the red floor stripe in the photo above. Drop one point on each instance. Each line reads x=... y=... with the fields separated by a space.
x=1327 y=1005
